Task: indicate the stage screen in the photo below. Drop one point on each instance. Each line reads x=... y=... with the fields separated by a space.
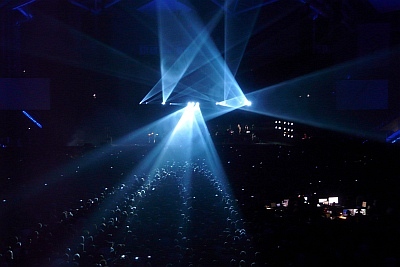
x=24 y=94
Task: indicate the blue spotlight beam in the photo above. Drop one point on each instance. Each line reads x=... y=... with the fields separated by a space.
x=174 y=69
x=190 y=93
x=205 y=149
x=32 y=119
x=181 y=144
x=312 y=99
x=170 y=147
x=237 y=35
x=208 y=57
x=200 y=66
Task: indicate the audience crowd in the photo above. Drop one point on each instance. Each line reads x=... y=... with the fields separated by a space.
x=76 y=211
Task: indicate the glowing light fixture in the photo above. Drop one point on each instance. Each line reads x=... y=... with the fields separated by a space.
x=247 y=103
x=193 y=104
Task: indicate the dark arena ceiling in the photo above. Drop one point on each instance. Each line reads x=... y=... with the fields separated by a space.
x=284 y=32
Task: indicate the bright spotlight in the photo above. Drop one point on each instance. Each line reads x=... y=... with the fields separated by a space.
x=192 y=104
x=163 y=103
x=247 y=103
x=197 y=104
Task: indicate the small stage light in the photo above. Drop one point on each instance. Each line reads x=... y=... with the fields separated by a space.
x=163 y=103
